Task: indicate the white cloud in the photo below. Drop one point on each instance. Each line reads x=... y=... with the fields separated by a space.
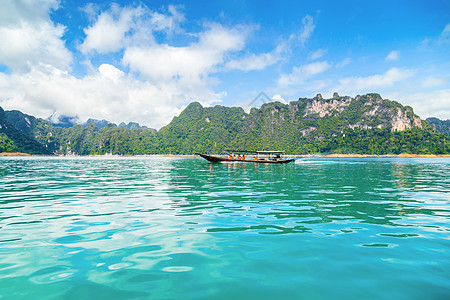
x=169 y=23
x=108 y=33
x=16 y=11
x=302 y=73
x=259 y=61
x=190 y=63
x=119 y=28
x=169 y=76
x=318 y=53
x=279 y=98
x=111 y=72
x=427 y=104
x=307 y=31
x=353 y=85
x=107 y=93
x=393 y=55
x=29 y=37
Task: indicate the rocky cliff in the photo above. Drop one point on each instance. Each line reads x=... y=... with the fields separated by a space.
x=362 y=112
x=364 y=124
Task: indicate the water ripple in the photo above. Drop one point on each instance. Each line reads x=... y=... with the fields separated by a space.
x=183 y=228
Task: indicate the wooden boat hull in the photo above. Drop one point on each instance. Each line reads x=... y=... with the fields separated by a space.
x=213 y=158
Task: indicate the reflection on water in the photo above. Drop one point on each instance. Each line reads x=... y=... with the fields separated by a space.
x=184 y=228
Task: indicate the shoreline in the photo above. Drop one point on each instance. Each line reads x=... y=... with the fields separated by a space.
x=405 y=155
x=15 y=154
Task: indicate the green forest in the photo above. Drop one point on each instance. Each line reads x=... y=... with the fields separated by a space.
x=306 y=126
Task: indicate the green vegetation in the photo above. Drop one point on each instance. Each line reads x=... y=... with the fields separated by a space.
x=364 y=125
x=13 y=140
x=440 y=125
x=6 y=144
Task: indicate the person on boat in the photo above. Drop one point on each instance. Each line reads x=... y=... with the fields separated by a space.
x=229 y=156
x=243 y=157
x=254 y=157
x=239 y=157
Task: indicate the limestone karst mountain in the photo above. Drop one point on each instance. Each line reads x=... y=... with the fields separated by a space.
x=366 y=124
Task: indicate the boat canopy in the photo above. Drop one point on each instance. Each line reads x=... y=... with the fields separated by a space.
x=255 y=152
x=242 y=151
x=270 y=152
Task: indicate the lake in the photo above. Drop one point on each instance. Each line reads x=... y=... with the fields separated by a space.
x=182 y=228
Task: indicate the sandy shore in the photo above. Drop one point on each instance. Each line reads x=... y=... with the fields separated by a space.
x=14 y=154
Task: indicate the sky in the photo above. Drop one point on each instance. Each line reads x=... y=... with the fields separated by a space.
x=145 y=61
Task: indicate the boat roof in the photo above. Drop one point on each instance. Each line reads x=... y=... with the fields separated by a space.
x=255 y=152
x=241 y=151
x=270 y=152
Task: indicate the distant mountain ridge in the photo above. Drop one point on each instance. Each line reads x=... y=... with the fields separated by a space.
x=366 y=124
x=68 y=121
x=93 y=137
x=440 y=125
x=134 y=125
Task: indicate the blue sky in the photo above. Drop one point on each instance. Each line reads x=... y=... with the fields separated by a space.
x=144 y=61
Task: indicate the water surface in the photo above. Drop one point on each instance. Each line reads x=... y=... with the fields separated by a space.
x=182 y=228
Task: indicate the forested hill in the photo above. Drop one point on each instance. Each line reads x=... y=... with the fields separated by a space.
x=440 y=125
x=366 y=124
x=13 y=139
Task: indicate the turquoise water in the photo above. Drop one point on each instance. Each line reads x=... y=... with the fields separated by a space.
x=182 y=228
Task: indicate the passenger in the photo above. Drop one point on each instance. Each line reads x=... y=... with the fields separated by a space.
x=254 y=157
x=239 y=157
x=243 y=157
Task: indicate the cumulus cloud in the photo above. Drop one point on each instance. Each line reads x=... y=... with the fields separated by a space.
x=16 y=11
x=302 y=73
x=279 y=98
x=108 y=93
x=108 y=32
x=393 y=55
x=189 y=63
x=29 y=37
x=111 y=72
x=162 y=80
x=168 y=22
x=120 y=27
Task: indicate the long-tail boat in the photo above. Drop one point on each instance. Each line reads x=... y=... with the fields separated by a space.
x=266 y=157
